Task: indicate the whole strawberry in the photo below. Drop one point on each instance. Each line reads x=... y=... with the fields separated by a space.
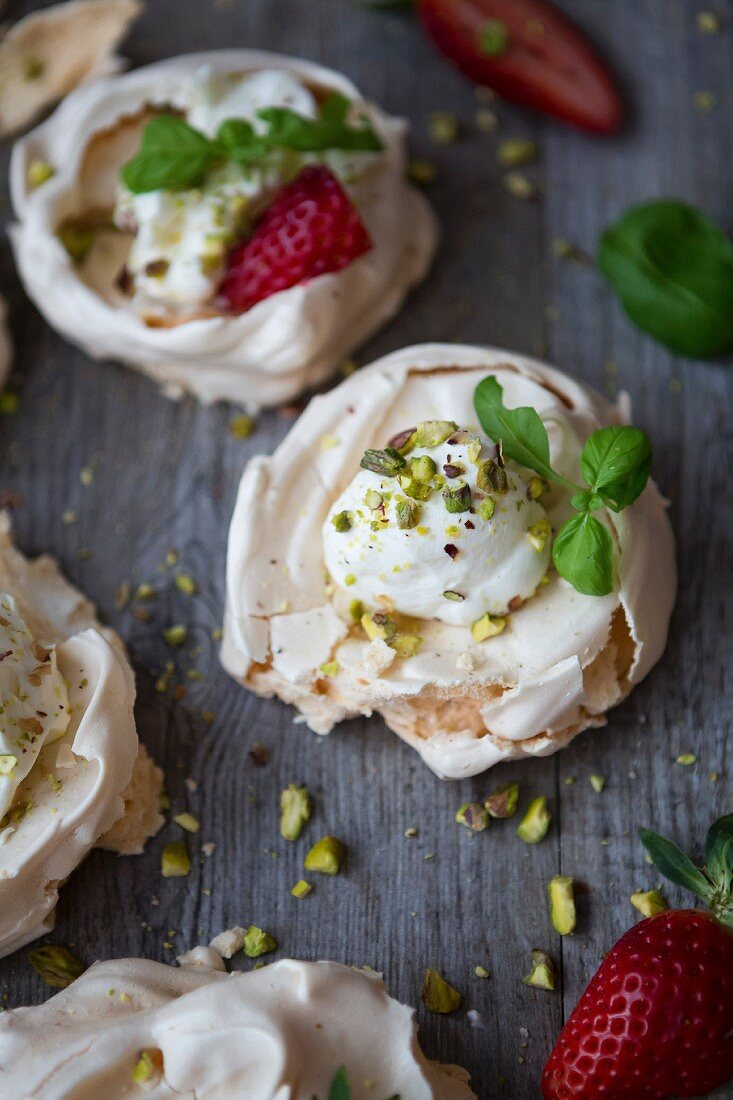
x=657 y=1018
x=311 y=228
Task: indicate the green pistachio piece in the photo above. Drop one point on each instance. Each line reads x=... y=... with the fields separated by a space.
x=7 y=763
x=148 y=1067
x=56 y=965
x=187 y=822
x=474 y=451
x=455 y=597
x=487 y=508
x=356 y=610
x=417 y=490
x=491 y=477
x=473 y=816
x=175 y=635
x=536 y=488
x=423 y=468
x=76 y=239
x=457 y=498
x=378 y=626
x=325 y=856
x=562 y=904
x=538 y=534
x=406 y=645
x=342 y=521
x=408 y=514
x=597 y=782
x=373 y=499
x=39 y=171
x=535 y=823
x=295 y=811
x=502 y=802
x=301 y=889
x=542 y=974
x=649 y=902
x=175 y=862
x=388 y=462
x=404 y=441
x=257 y=942
x=437 y=995
x=516 y=151
x=488 y=626
x=431 y=433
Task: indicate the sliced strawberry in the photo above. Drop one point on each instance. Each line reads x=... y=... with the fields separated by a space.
x=530 y=53
x=311 y=228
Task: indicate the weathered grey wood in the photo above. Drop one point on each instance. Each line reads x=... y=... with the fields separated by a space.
x=165 y=477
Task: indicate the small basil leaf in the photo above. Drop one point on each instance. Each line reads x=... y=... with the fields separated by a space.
x=674 y=864
x=672 y=268
x=521 y=431
x=340 y=1089
x=581 y=501
x=172 y=156
x=616 y=463
x=583 y=555
x=241 y=141
x=719 y=853
x=329 y=131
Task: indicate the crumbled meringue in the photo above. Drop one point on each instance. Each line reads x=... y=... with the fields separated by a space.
x=268 y=354
x=83 y=780
x=283 y=1030
x=563 y=658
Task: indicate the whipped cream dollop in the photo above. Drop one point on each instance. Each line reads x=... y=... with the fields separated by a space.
x=448 y=532
x=170 y=327
x=34 y=702
x=132 y=1027
x=72 y=773
x=522 y=683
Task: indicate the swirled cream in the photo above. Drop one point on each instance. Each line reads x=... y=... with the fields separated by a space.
x=72 y=773
x=144 y=292
x=336 y=608
x=132 y=1027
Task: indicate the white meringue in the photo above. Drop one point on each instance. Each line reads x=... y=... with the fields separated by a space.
x=279 y=1032
x=90 y=783
x=563 y=659
x=267 y=355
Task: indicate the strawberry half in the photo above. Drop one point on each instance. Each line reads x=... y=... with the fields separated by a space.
x=657 y=1019
x=311 y=228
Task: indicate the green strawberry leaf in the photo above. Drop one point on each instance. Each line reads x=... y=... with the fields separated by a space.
x=616 y=463
x=675 y=865
x=583 y=555
x=340 y=1089
x=172 y=156
x=719 y=856
x=672 y=268
x=330 y=130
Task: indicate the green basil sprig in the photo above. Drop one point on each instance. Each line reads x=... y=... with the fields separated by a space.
x=174 y=156
x=672 y=268
x=340 y=1088
x=615 y=464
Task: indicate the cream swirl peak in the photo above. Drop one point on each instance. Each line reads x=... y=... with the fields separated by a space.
x=34 y=701
x=437 y=525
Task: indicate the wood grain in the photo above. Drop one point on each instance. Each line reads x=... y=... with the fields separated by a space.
x=165 y=476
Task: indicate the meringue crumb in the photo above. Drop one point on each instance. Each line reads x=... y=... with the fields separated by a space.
x=376 y=658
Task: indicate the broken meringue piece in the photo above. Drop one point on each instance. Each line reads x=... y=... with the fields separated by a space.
x=72 y=773
x=131 y=1025
x=467 y=692
x=148 y=276
x=49 y=53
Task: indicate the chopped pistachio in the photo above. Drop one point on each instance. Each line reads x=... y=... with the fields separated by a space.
x=242 y=426
x=538 y=534
x=186 y=584
x=649 y=902
x=491 y=477
x=486 y=120
x=301 y=889
x=149 y=1065
x=39 y=171
x=536 y=488
x=704 y=101
x=487 y=508
x=326 y=856
x=708 y=22
x=342 y=521
x=406 y=645
x=431 y=433
x=144 y=592
x=175 y=636
x=57 y=966
x=502 y=802
x=373 y=499
x=416 y=490
x=456 y=597
x=473 y=816
x=356 y=610
x=535 y=823
x=423 y=468
x=295 y=811
x=377 y=626
x=488 y=626
x=442 y=127
x=597 y=782
x=686 y=759
x=175 y=862
x=515 y=151
x=388 y=462
x=76 y=239
x=257 y=942
x=329 y=668
x=188 y=822
x=403 y=441
x=7 y=763
x=408 y=514
x=562 y=904
x=482 y=972
x=542 y=974
x=9 y=402
x=437 y=995
x=421 y=170
x=519 y=186
x=493 y=38
x=457 y=498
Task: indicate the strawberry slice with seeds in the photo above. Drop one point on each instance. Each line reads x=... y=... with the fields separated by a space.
x=311 y=228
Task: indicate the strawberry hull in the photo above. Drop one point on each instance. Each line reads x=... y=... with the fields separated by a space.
x=656 y=1021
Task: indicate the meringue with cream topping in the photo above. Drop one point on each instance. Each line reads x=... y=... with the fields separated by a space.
x=131 y=1026
x=354 y=584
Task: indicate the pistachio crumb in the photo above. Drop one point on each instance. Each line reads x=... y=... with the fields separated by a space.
x=242 y=426
x=39 y=171
x=502 y=802
x=536 y=821
x=542 y=974
x=329 y=668
x=649 y=902
x=442 y=127
x=301 y=889
x=704 y=102
x=56 y=965
x=411 y=832
x=686 y=759
x=519 y=186
x=175 y=636
x=175 y=861
x=326 y=856
x=597 y=782
x=482 y=972
x=709 y=23
x=562 y=904
x=295 y=811
x=258 y=942
x=473 y=816
x=186 y=584
x=437 y=995
x=188 y=822
x=515 y=151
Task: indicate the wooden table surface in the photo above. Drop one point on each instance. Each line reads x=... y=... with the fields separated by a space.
x=165 y=476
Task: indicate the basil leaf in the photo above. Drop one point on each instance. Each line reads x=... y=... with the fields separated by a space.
x=172 y=156
x=616 y=463
x=340 y=1086
x=241 y=142
x=583 y=555
x=521 y=431
x=675 y=865
x=672 y=268
x=328 y=131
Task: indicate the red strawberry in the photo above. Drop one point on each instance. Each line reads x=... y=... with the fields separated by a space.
x=657 y=1018
x=310 y=229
